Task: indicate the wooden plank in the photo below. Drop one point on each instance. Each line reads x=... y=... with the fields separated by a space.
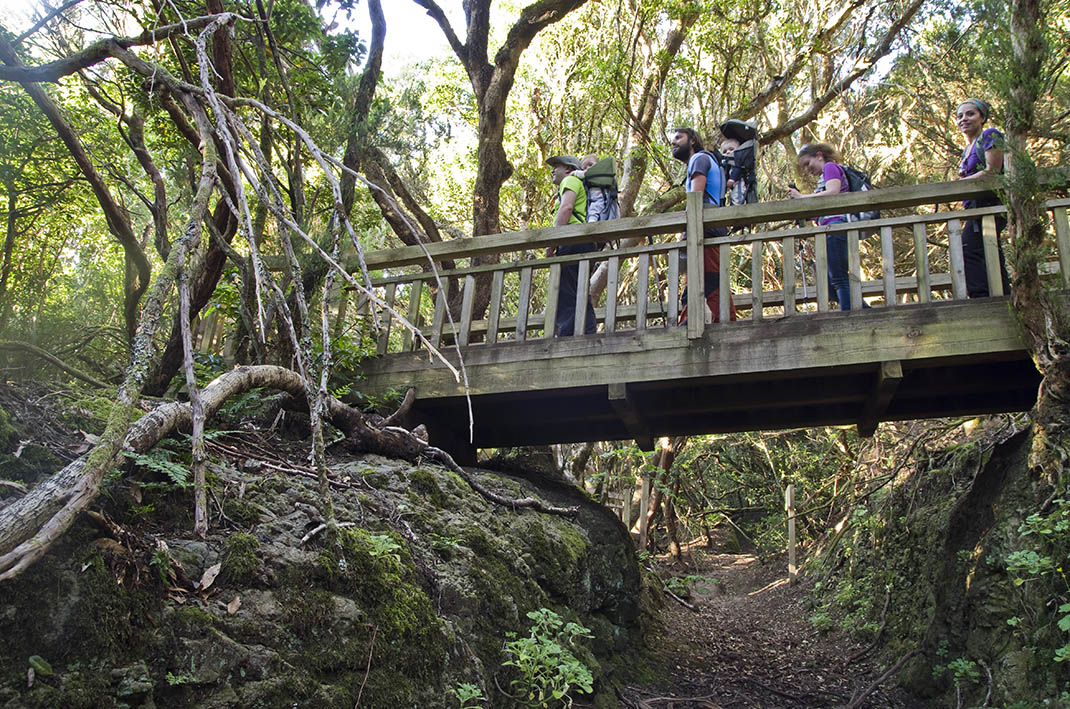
x=467 y=299
x=497 y=287
x=1062 y=242
x=821 y=270
x=642 y=293
x=887 y=266
x=612 y=283
x=990 y=239
x=725 y=279
x=889 y=376
x=921 y=263
x=625 y=407
x=854 y=269
x=524 y=304
x=553 y=292
x=958 y=265
x=696 y=314
x=787 y=271
x=673 y=294
x=756 y=280
x=583 y=280
x=441 y=306
x=388 y=320
x=416 y=292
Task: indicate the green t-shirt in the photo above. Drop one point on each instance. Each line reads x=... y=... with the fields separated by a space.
x=579 y=209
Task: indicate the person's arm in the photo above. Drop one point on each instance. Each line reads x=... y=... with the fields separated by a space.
x=831 y=187
x=993 y=164
x=564 y=213
x=698 y=183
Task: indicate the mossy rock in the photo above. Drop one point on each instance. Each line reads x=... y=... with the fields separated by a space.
x=8 y=435
x=241 y=561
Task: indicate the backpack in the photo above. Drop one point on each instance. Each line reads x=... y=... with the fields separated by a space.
x=600 y=183
x=716 y=192
x=745 y=191
x=858 y=181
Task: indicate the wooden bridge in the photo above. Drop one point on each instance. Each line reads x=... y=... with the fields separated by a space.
x=921 y=350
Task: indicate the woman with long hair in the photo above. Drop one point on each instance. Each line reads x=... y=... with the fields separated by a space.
x=982 y=156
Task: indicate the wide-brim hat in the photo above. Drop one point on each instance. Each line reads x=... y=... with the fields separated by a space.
x=566 y=160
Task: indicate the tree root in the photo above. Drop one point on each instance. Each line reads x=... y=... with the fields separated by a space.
x=34 y=521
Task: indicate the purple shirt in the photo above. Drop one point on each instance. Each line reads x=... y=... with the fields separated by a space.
x=832 y=171
x=973 y=157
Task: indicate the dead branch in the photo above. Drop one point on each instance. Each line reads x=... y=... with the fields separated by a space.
x=679 y=600
x=402 y=410
x=876 y=640
x=51 y=359
x=857 y=700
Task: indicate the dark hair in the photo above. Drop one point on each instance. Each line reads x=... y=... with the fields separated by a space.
x=692 y=134
x=827 y=151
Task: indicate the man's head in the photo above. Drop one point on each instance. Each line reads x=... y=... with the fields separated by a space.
x=685 y=143
x=728 y=146
x=562 y=165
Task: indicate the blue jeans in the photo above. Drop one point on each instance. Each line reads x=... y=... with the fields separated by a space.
x=839 y=279
x=566 y=296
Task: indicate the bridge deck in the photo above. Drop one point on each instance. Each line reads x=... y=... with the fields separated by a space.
x=923 y=350
x=858 y=367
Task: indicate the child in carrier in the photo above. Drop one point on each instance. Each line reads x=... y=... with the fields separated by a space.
x=737 y=150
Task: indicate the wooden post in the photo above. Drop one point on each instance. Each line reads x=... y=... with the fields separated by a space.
x=854 y=270
x=955 y=259
x=821 y=272
x=1062 y=240
x=626 y=507
x=756 y=280
x=644 y=510
x=990 y=240
x=696 y=285
x=789 y=505
x=921 y=263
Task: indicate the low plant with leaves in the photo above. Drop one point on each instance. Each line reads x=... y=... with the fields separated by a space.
x=547 y=669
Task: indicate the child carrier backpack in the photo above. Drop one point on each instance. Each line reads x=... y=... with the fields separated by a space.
x=858 y=181
x=600 y=182
x=745 y=191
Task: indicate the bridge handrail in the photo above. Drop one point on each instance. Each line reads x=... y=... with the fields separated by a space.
x=540 y=278
x=785 y=210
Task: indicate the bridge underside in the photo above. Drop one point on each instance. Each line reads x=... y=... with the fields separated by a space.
x=860 y=367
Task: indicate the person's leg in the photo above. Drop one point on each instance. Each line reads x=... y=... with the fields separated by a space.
x=839 y=279
x=566 y=301
x=973 y=258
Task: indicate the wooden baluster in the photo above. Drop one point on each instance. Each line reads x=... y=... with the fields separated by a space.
x=441 y=304
x=467 y=299
x=674 y=287
x=611 y=293
x=756 y=279
x=583 y=284
x=416 y=291
x=387 y=320
x=724 y=298
x=696 y=295
x=523 y=304
x=787 y=270
x=888 y=266
x=854 y=269
x=921 y=263
x=821 y=266
x=642 y=293
x=1062 y=241
x=958 y=265
x=497 y=286
x=553 y=292
x=990 y=239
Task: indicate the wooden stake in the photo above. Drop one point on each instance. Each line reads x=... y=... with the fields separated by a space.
x=789 y=505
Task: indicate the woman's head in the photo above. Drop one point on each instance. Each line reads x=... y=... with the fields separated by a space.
x=813 y=156
x=972 y=114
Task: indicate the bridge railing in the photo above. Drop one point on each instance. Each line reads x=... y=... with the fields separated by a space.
x=509 y=292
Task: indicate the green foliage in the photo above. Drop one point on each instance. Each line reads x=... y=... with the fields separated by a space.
x=383 y=545
x=548 y=671
x=159 y=460
x=468 y=695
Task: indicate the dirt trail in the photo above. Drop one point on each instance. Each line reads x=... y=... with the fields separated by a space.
x=749 y=643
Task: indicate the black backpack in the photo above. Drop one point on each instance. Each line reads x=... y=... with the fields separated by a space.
x=858 y=181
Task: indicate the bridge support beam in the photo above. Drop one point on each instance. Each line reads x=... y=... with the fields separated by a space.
x=625 y=407
x=889 y=376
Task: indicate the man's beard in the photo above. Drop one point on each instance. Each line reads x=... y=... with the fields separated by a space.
x=682 y=152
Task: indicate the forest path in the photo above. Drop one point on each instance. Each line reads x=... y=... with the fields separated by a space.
x=749 y=643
